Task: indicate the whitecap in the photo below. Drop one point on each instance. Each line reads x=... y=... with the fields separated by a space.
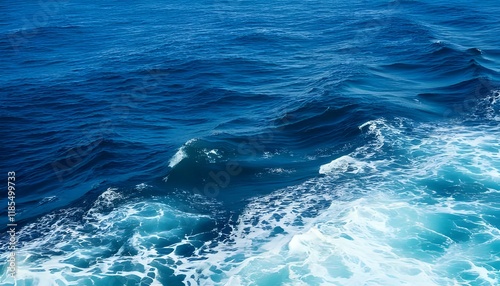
x=180 y=154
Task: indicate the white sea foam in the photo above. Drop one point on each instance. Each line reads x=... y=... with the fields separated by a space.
x=279 y=171
x=142 y=186
x=346 y=164
x=180 y=154
x=212 y=154
x=115 y=242
x=379 y=228
x=489 y=106
x=415 y=208
x=361 y=161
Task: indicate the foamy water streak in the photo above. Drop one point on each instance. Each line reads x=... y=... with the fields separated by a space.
x=180 y=154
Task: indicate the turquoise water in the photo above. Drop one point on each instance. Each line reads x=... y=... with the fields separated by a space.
x=252 y=143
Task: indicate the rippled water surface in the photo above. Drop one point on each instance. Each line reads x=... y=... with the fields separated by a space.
x=252 y=142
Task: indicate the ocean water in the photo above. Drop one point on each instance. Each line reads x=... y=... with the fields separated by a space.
x=250 y=142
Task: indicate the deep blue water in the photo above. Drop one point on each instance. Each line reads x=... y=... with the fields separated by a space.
x=252 y=142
